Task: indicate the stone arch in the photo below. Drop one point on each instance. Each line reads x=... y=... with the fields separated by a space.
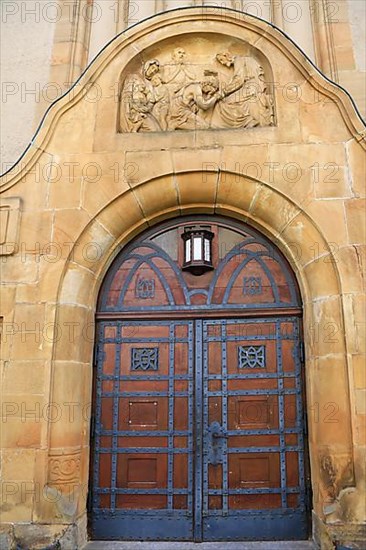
x=231 y=195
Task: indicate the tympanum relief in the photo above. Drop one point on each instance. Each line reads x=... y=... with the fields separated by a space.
x=181 y=95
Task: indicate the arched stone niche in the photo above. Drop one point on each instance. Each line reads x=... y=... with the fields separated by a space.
x=82 y=184
x=203 y=81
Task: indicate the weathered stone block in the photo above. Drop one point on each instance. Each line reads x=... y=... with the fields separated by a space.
x=9 y=225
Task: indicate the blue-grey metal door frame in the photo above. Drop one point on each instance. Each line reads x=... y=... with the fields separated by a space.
x=199 y=435
x=198 y=522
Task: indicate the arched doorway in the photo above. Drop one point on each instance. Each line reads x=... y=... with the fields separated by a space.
x=198 y=418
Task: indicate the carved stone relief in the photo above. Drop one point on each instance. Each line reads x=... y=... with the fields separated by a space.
x=64 y=482
x=180 y=95
x=337 y=477
x=64 y=469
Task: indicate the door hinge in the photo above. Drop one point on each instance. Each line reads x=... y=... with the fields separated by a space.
x=92 y=425
x=305 y=417
x=302 y=352
x=95 y=355
x=99 y=355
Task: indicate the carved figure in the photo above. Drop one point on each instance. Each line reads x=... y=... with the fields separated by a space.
x=161 y=101
x=136 y=108
x=246 y=103
x=265 y=101
x=159 y=93
x=330 y=475
x=178 y=75
x=185 y=110
x=151 y=68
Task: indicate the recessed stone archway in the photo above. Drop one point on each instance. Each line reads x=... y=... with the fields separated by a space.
x=292 y=231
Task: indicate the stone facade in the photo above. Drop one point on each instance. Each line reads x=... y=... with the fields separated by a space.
x=84 y=189
x=67 y=34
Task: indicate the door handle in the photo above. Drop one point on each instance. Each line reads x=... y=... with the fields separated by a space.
x=216 y=439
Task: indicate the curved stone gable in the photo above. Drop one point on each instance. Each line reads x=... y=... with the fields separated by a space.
x=302 y=92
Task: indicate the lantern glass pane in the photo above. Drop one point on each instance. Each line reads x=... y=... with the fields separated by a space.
x=188 y=250
x=207 y=250
x=197 y=248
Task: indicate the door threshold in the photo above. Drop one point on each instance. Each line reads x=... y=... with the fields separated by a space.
x=160 y=545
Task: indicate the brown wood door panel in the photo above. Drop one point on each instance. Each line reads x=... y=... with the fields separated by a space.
x=139 y=414
x=254 y=395
x=254 y=470
x=141 y=470
x=252 y=412
x=142 y=405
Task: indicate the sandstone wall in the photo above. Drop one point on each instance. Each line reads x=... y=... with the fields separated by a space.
x=84 y=189
x=46 y=45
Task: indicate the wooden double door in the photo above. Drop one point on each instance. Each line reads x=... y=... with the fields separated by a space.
x=198 y=430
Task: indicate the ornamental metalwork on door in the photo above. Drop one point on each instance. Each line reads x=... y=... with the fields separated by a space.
x=198 y=421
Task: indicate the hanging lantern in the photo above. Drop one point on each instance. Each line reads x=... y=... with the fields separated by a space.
x=197 y=249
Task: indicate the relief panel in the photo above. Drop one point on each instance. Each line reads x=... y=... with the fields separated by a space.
x=64 y=469
x=185 y=89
